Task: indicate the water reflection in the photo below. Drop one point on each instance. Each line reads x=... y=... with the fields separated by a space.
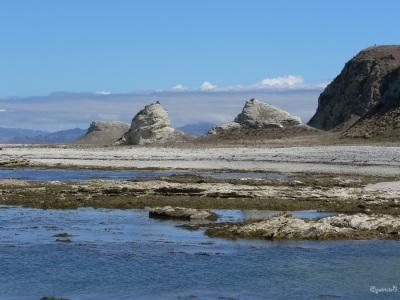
x=247 y=214
x=123 y=254
x=34 y=174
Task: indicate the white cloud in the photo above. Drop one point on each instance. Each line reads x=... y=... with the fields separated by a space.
x=207 y=86
x=323 y=84
x=185 y=106
x=277 y=83
x=290 y=80
x=103 y=93
x=179 y=87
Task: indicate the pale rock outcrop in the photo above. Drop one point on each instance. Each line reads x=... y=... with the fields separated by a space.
x=151 y=125
x=257 y=114
x=168 y=212
x=223 y=127
x=103 y=133
x=285 y=226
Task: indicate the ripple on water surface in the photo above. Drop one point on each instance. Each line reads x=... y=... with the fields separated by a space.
x=35 y=174
x=123 y=254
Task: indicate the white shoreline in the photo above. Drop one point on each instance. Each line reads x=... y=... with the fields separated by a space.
x=372 y=160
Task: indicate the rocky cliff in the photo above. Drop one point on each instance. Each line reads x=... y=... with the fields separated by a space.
x=257 y=114
x=151 y=125
x=362 y=95
x=103 y=133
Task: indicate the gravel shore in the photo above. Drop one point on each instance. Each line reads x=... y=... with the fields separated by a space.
x=369 y=160
x=345 y=179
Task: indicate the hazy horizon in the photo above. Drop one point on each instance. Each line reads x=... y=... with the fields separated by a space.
x=60 y=111
x=201 y=59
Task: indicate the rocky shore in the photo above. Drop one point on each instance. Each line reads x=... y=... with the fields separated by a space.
x=298 y=192
x=285 y=226
x=367 y=160
x=181 y=213
x=362 y=181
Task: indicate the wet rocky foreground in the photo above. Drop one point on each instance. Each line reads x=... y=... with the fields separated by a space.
x=323 y=192
x=285 y=226
x=299 y=192
x=182 y=213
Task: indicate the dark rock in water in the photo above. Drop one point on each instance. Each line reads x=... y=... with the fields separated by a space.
x=169 y=212
x=201 y=181
x=103 y=133
x=151 y=125
x=64 y=240
x=53 y=298
x=369 y=85
x=62 y=235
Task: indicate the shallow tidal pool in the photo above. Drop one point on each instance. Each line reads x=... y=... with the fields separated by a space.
x=35 y=174
x=123 y=254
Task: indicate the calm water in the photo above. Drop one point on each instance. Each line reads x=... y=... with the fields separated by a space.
x=122 y=254
x=80 y=175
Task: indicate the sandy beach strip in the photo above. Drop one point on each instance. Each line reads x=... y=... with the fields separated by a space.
x=373 y=160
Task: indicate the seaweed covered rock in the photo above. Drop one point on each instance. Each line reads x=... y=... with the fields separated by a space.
x=169 y=212
x=53 y=298
x=285 y=226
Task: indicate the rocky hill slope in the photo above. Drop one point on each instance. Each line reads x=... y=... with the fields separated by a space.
x=103 y=133
x=257 y=114
x=364 y=99
x=258 y=123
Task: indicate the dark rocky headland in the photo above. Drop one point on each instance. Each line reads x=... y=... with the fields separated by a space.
x=363 y=101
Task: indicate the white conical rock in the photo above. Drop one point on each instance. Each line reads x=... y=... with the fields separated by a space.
x=257 y=114
x=151 y=125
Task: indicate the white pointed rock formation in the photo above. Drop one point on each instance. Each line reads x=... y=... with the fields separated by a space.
x=151 y=125
x=257 y=114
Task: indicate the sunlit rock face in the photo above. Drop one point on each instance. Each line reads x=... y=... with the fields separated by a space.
x=257 y=114
x=152 y=125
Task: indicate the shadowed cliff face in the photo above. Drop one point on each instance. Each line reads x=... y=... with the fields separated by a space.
x=383 y=120
x=360 y=88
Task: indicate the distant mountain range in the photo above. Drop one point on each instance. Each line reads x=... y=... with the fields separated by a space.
x=19 y=135
x=196 y=129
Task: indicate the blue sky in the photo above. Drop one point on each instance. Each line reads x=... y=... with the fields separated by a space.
x=129 y=48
